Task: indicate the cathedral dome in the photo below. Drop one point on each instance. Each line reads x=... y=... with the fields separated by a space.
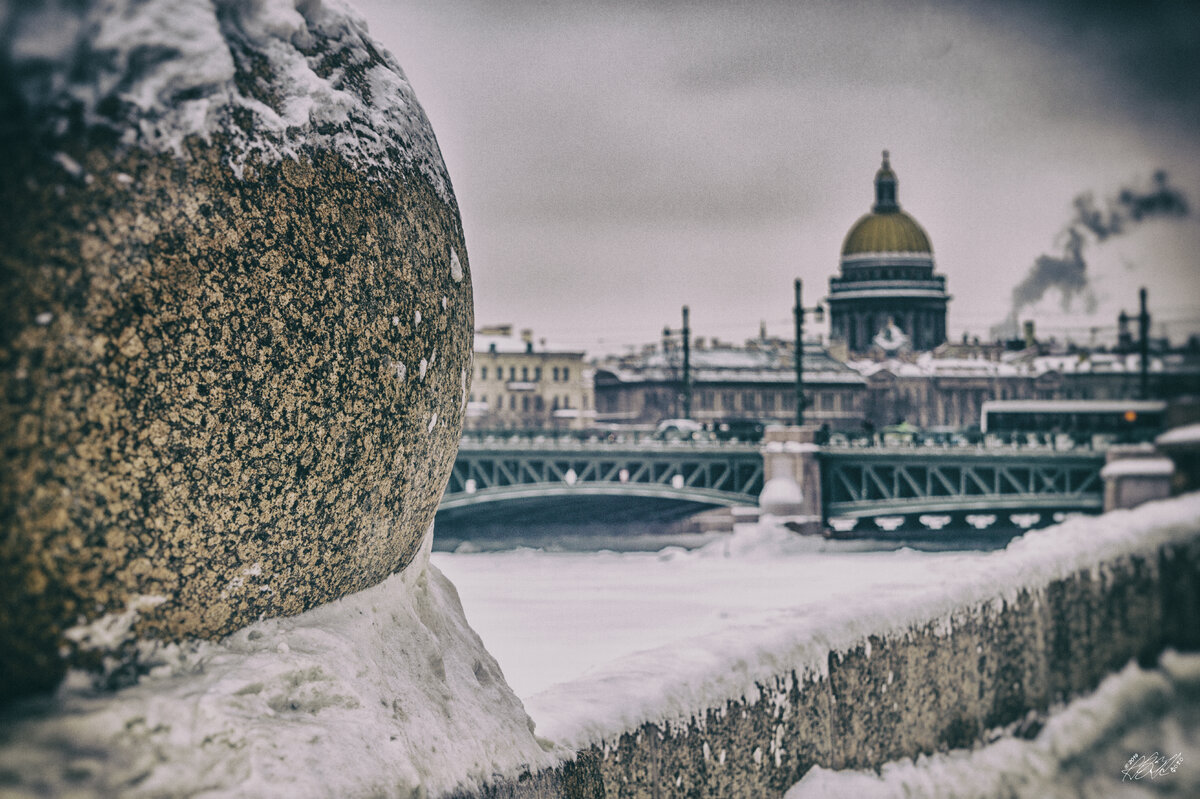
x=886 y=229
x=887 y=297
x=890 y=231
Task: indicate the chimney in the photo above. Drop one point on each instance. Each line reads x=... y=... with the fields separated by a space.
x=1030 y=338
x=527 y=337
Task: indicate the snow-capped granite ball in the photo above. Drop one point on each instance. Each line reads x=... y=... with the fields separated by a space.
x=236 y=321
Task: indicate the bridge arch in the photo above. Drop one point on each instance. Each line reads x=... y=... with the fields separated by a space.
x=686 y=493
x=709 y=475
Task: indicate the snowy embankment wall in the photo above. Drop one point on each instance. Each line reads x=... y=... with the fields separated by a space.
x=748 y=712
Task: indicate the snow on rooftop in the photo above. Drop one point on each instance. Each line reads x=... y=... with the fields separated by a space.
x=764 y=363
x=1010 y=364
x=503 y=341
x=928 y=365
x=598 y=644
x=307 y=73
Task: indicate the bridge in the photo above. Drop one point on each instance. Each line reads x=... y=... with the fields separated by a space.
x=670 y=478
x=933 y=484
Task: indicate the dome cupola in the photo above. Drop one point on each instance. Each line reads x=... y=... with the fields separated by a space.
x=887 y=296
x=887 y=229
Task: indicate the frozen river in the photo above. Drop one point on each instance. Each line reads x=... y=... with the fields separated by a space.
x=555 y=616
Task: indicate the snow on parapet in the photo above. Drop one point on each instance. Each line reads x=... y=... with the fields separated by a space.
x=679 y=682
x=1179 y=436
x=1139 y=467
x=306 y=72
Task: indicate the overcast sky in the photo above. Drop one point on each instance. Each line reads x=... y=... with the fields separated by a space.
x=614 y=161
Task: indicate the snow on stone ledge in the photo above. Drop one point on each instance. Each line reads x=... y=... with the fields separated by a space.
x=386 y=692
x=1188 y=434
x=1138 y=467
x=676 y=683
x=305 y=72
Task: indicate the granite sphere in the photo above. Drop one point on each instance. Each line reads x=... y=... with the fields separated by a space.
x=236 y=332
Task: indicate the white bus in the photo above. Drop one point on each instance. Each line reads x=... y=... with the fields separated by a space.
x=1093 y=421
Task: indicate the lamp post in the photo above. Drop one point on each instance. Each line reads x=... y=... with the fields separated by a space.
x=1143 y=346
x=798 y=311
x=685 y=334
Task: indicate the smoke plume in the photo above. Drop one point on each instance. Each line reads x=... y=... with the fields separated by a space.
x=1067 y=273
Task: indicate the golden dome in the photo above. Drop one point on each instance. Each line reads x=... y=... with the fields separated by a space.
x=886 y=228
x=893 y=231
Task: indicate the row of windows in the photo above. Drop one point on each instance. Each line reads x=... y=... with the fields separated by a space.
x=562 y=374
x=744 y=401
x=527 y=402
x=899 y=273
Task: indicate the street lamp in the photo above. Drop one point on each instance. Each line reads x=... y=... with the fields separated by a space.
x=685 y=333
x=818 y=312
x=1143 y=346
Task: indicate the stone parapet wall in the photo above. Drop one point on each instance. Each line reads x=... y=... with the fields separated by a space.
x=936 y=686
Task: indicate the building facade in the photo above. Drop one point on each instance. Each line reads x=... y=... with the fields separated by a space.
x=931 y=390
x=756 y=381
x=520 y=385
x=887 y=296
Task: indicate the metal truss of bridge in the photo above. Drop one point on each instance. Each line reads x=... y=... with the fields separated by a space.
x=725 y=475
x=873 y=484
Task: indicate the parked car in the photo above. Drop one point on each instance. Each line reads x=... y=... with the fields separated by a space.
x=739 y=430
x=679 y=430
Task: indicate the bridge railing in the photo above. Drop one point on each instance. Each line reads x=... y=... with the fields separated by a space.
x=838 y=442
x=864 y=482
x=647 y=441
x=856 y=481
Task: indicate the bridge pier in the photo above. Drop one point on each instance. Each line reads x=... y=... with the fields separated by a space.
x=790 y=452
